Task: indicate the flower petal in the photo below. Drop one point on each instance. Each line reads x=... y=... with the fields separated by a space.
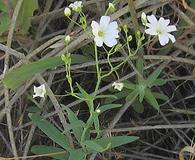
x=163 y=21
x=151 y=31
x=163 y=39
x=104 y=21
x=95 y=28
x=112 y=30
x=171 y=28
x=113 y=25
x=171 y=37
x=98 y=41
x=110 y=41
x=152 y=19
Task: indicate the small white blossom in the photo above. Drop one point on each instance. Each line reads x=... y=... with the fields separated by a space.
x=39 y=91
x=160 y=28
x=118 y=86
x=67 y=39
x=76 y=6
x=144 y=18
x=67 y=11
x=105 y=32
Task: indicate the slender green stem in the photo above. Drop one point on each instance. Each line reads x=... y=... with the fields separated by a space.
x=89 y=122
x=97 y=70
x=75 y=22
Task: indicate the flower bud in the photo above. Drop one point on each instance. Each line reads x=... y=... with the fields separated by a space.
x=143 y=18
x=67 y=12
x=67 y=39
x=129 y=38
x=117 y=47
x=111 y=7
x=76 y=6
x=125 y=28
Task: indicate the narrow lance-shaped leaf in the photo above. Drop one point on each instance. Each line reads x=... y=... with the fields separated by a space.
x=27 y=9
x=54 y=152
x=74 y=121
x=108 y=107
x=152 y=78
x=149 y=97
x=51 y=131
x=18 y=76
x=137 y=106
x=160 y=96
x=77 y=154
x=105 y=143
x=96 y=123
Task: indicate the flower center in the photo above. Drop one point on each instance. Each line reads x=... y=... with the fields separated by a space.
x=158 y=31
x=101 y=34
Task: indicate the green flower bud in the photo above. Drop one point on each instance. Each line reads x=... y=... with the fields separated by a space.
x=111 y=7
x=67 y=39
x=144 y=19
x=125 y=28
x=129 y=38
x=117 y=47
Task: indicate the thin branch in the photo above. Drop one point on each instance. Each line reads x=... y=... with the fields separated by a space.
x=6 y=66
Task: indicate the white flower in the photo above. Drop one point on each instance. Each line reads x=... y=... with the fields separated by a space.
x=67 y=39
x=76 y=6
x=118 y=86
x=67 y=12
x=105 y=32
x=143 y=18
x=161 y=29
x=39 y=91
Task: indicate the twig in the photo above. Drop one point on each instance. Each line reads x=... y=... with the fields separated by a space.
x=143 y=128
x=11 y=51
x=36 y=156
x=6 y=66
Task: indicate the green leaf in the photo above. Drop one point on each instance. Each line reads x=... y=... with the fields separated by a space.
x=132 y=95
x=137 y=106
x=160 y=96
x=105 y=143
x=159 y=82
x=93 y=145
x=26 y=11
x=140 y=69
x=78 y=130
x=18 y=76
x=3 y=7
x=58 y=153
x=96 y=123
x=129 y=85
x=106 y=96
x=141 y=90
x=33 y=109
x=108 y=107
x=119 y=95
x=152 y=78
x=149 y=97
x=51 y=131
x=4 y=23
x=77 y=154
x=84 y=94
